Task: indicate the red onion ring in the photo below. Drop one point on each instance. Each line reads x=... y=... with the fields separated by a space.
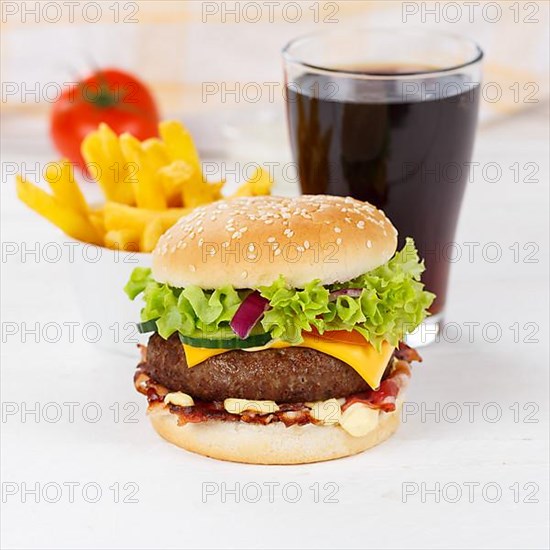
x=353 y=292
x=248 y=314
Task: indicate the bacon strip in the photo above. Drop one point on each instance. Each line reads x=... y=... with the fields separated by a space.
x=384 y=398
x=406 y=353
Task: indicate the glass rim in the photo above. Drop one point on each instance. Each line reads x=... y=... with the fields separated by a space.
x=290 y=58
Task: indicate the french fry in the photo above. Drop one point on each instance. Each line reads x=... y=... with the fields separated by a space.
x=179 y=143
x=174 y=176
x=97 y=220
x=203 y=193
x=110 y=171
x=99 y=225
x=72 y=223
x=101 y=151
x=92 y=153
x=122 y=239
x=61 y=178
x=156 y=152
x=171 y=215
x=151 y=234
x=147 y=188
x=122 y=171
x=258 y=184
x=120 y=216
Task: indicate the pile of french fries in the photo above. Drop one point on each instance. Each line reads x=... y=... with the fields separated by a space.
x=147 y=186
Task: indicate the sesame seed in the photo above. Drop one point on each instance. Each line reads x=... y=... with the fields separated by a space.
x=369 y=244
x=244 y=274
x=192 y=268
x=337 y=229
x=306 y=244
x=338 y=241
x=277 y=252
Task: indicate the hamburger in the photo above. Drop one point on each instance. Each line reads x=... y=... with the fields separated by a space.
x=277 y=329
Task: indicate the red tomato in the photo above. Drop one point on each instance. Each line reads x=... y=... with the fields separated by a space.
x=111 y=96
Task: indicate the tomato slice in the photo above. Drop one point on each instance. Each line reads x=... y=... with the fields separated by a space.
x=343 y=336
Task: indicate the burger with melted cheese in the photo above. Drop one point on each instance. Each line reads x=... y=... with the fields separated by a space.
x=277 y=328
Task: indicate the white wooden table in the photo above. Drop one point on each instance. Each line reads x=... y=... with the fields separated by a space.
x=103 y=479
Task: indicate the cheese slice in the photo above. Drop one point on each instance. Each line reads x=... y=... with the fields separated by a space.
x=363 y=358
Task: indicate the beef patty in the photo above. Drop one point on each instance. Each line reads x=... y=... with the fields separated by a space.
x=288 y=375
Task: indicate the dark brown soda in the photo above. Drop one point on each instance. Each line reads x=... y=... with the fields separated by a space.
x=402 y=145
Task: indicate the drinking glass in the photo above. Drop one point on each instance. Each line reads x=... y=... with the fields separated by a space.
x=389 y=117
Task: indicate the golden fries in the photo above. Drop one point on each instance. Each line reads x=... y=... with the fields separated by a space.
x=103 y=155
x=60 y=175
x=172 y=178
x=122 y=239
x=71 y=222
x=121 y=216
x=147 y=185
x=179 y=143
x=204 y=193
x=97 y=220
x=259 y=184
x=151 y=234
x=156 y=152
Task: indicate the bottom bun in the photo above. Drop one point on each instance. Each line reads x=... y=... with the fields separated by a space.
x=270 y=444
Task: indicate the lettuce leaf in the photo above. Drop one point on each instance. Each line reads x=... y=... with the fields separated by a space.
x=138 y=281
x=191 y=311
x=392 y=303
x=293 y=310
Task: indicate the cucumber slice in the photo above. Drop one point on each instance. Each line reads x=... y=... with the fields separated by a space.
x=221 y=339
x=147 y=326
x=252 y=341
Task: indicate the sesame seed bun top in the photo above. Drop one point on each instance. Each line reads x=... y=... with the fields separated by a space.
x=248 y=242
